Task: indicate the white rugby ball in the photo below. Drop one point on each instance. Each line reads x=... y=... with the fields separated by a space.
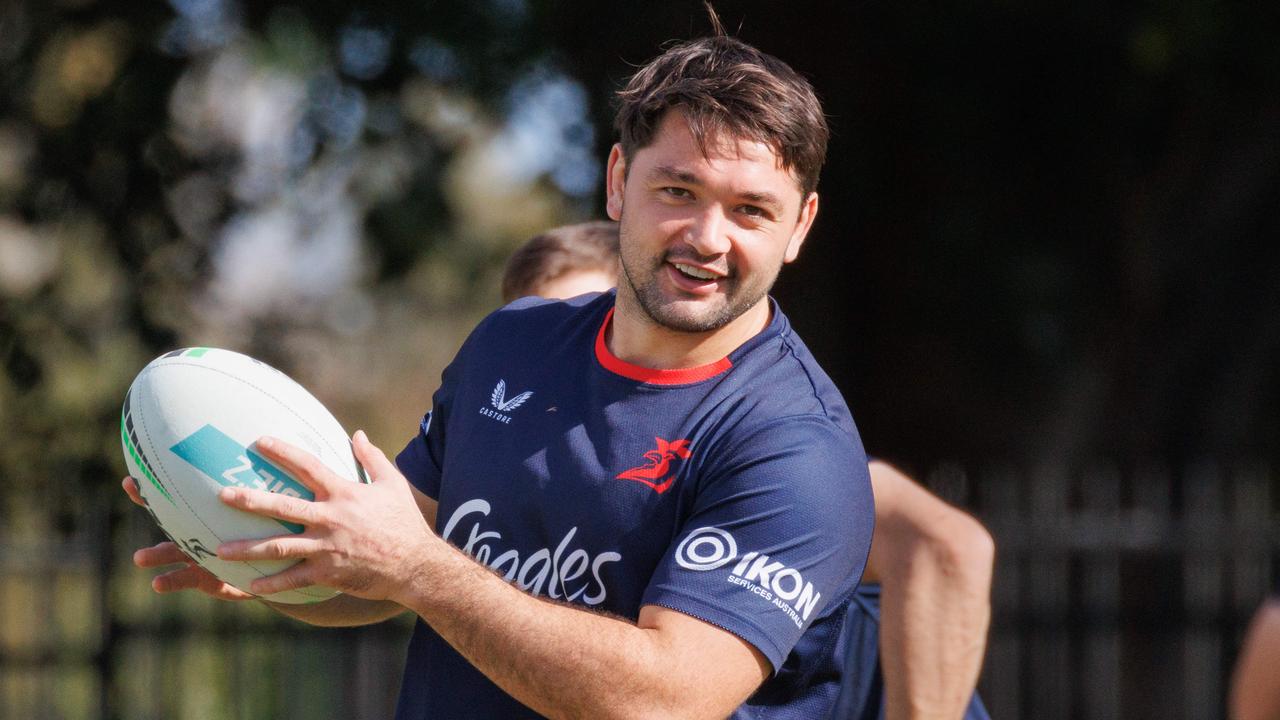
x=189 y=427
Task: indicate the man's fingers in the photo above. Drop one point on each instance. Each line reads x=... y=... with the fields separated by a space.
x=166 y=553
x=375 y=461
x=131 y=489
x=261 y=502
x=300 y=464
x=274 y=548
x=293 y=578
x=195 y=577
x=187 y=578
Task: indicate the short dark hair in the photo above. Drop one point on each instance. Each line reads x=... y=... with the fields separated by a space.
x=545 y=257
x=721 y=84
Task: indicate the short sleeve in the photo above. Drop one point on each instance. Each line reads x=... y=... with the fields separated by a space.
x=779 y=532
x=422 y=460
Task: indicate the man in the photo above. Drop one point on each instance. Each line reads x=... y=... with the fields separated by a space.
x=913 y=651
x=669 y=495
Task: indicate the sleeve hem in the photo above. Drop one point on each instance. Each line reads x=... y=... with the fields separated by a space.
x=733 y=624
x=420 y=471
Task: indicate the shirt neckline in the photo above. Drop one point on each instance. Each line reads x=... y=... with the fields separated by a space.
x=673 y=376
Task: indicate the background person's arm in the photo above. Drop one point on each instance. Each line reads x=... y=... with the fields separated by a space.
x=1255 y=685
x=934 y=565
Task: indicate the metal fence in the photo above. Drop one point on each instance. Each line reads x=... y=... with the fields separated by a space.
x=1121 y=595
x=83 y=636
x=1117 y=595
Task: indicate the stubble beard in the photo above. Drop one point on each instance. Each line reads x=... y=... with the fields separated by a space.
x=641 y=278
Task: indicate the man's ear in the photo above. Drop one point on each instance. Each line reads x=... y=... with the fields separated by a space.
x=615 y=181
x=808 y=211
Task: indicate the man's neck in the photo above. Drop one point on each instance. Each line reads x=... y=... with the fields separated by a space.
x=634 y=337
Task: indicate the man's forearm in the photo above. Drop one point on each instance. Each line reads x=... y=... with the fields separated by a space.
x=564 y=661
x=934 y=615
x=339 y=611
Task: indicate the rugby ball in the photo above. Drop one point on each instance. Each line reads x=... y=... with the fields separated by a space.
x=189 y=426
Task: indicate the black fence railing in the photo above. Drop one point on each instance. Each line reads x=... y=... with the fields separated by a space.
x=1122 y=596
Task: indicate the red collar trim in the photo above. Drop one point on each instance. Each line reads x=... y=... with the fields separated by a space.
x=678 y=376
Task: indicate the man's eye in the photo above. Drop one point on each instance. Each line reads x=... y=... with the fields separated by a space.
x=677 y=192
x=754 y=212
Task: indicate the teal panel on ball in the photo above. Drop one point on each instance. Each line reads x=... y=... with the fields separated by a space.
x=231 y=464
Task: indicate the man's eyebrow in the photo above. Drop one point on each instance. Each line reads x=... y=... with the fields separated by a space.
x=668 y=172
x=674 y=174
x=762 y=198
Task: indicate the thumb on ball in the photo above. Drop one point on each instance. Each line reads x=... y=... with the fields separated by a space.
x=375 y=461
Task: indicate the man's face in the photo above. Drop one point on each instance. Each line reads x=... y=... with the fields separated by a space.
x=703 y=237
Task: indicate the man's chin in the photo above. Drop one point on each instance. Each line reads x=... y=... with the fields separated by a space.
x=690 y=316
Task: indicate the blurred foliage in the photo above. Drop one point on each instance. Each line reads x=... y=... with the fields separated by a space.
x=303 y=183
x=1045 y=233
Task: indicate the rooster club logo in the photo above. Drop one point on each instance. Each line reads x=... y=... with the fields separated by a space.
x=657 y=473
x=501 y=405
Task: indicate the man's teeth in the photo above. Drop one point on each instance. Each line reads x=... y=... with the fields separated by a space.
x=695 y=272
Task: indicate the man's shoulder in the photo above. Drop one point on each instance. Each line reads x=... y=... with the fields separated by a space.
x=783 y=406
x=781 y=378
x=531 y=302
x=529 y=319
x=534 y=310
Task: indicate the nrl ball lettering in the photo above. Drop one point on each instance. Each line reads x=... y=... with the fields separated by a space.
x=189 y=426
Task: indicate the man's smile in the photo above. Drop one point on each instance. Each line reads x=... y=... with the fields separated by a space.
x=695 y=279
x=695 y=272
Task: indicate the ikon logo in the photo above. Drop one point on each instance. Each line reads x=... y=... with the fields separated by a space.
x=710 y=548
x=654 y=473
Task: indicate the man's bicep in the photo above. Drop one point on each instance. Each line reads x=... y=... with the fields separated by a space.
x=721 y=666
x=776 y=540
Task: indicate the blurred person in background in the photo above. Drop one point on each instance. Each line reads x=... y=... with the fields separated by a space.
x=564 y=262
x=1255 y=685
x=917 y=629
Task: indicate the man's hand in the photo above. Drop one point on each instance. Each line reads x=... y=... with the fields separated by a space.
x=365 y=540
x=189 y=577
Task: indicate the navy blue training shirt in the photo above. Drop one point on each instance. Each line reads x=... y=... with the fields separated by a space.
x=735 y=492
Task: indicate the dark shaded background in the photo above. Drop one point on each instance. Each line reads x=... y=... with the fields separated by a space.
x=1046 y=231
x=1044 y=272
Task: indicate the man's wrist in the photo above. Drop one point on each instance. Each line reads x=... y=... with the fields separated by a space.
x=424 y=566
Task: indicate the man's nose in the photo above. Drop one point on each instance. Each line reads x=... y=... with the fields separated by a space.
x=708 y=233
